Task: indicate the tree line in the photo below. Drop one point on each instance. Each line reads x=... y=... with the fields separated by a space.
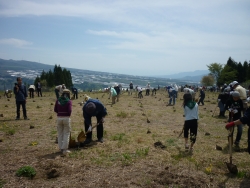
x=56 y=77
x=231 y=71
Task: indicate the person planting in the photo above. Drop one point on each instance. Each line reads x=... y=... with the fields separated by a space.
x=235 y=106
x=243 y=120
x=93 y=107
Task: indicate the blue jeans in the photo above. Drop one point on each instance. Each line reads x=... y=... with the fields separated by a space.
x=172 y=97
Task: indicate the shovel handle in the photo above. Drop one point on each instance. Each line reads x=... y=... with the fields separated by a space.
x=230 y=142
x=92 y=129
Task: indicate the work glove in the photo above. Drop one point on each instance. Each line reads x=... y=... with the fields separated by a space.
x=229 y=125
x=235 y=111
x=248 y=99
x=218 y=100
x=90 y=128
x=102 y=120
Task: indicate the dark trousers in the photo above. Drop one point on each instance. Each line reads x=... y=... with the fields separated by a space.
x=57 y=93
x=140 y=94
x=75 y=95
x=39 y=92
x=201 y=100
x=18 y=104
x=239 y=133
x=147 y=91
x=31 y=90
x=191 y=125
x=154 y=91
x=249 y=140
x=99 y=129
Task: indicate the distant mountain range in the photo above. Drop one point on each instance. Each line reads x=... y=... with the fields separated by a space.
x=192 y=76
x=28 y=70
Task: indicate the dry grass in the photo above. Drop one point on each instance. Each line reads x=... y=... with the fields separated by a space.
x=128 y=157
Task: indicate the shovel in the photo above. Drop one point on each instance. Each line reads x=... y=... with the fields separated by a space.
x=181 y=131
x=92 y=128
x=82 y=135
x=230 y=166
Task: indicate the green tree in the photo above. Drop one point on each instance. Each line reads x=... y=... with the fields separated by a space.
x=50 y=79
x=232 y=63
x=228 y=74
x=248 y=70
x=215 y=70
x=58 y=75
x=242 y=76
x=43 y=75
x=207 y=80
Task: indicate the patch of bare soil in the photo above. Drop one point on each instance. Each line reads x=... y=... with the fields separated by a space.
x=141 y=146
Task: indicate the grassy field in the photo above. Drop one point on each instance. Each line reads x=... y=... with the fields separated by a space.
x=129 y=156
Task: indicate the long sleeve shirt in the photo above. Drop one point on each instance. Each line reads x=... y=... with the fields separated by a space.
x=63 y=111
x=100 y=110
x=21 y=93
x=235 y=105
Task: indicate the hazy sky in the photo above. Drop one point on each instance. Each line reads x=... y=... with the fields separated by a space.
x=138 y=37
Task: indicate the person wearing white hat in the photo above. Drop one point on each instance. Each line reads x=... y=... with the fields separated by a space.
x=172 y=94
x=31 y=90
x=242 y=92
x=59 y=90
x=112 y=94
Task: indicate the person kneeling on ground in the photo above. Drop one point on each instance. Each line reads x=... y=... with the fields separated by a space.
x=191 y=120
x=63 y=108
x=93 y=107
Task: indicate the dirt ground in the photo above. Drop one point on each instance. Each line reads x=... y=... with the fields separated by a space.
x=141 y=146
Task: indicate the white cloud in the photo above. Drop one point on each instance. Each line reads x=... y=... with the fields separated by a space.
x=15 y=42
x=146 y=13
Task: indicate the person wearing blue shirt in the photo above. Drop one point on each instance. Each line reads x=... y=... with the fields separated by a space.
x=93 y=107
x=21 y=95
x=75 y=92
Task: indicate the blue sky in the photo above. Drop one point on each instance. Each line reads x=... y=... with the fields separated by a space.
x=139 y=37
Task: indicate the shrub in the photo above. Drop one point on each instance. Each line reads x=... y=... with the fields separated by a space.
x=11 y=131
x=26 y=171
x=2 y=182
x=142 y=152
x=122 y=114
x=118 y=137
